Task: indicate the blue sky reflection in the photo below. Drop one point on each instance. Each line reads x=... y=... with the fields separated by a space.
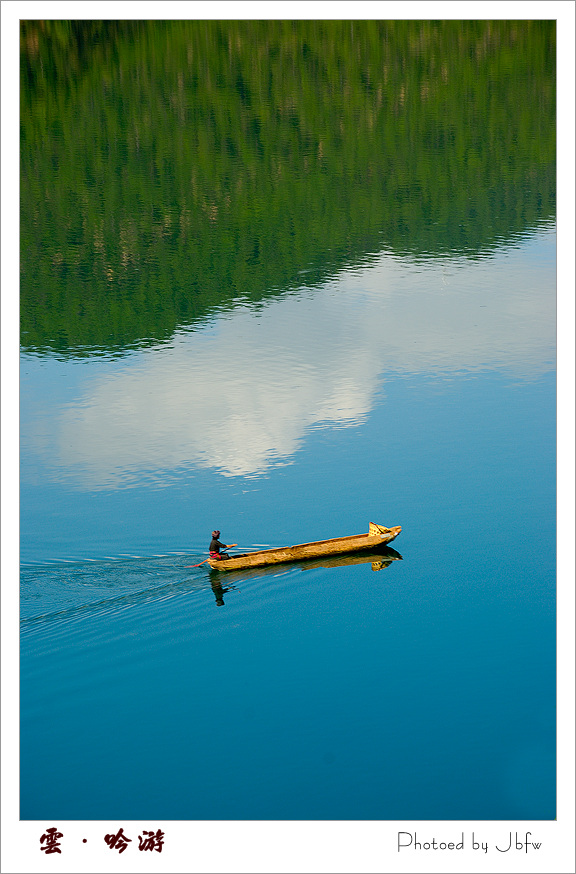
x=240 y=395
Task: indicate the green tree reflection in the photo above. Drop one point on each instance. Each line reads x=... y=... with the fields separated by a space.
x=168 y=167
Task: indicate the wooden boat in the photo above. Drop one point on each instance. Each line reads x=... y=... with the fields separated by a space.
x=377 y=536
x=381 y=558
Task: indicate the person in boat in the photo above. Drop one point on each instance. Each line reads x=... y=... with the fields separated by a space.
x=216 y=546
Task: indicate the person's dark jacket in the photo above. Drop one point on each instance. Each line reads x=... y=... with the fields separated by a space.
x=216 y=546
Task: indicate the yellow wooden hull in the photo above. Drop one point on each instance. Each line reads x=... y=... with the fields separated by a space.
x=377 y=536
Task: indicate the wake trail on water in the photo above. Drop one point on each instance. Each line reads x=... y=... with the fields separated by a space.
x=60 y=595
x=62 y=589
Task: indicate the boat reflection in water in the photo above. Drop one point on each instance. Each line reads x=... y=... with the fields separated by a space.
x=219 y=590
x=378 y=559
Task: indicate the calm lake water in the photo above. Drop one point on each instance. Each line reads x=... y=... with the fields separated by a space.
x=284 y=281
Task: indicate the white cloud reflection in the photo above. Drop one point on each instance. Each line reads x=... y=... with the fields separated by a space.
x=240 y=395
